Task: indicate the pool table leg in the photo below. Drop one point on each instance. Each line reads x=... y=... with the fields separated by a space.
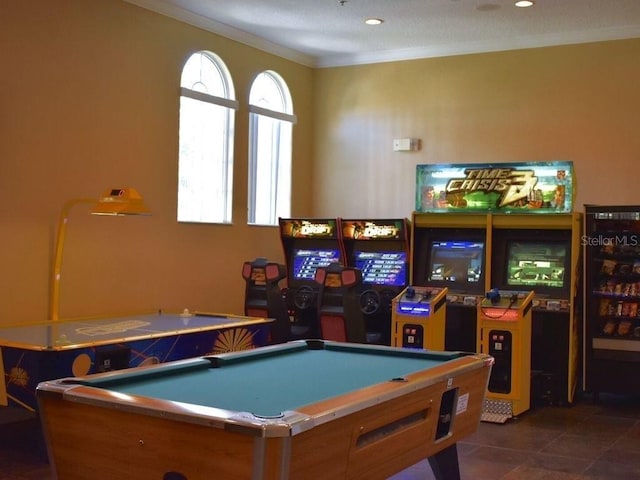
x=445 y=464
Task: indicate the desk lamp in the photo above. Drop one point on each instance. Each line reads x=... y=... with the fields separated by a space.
x=116 y=201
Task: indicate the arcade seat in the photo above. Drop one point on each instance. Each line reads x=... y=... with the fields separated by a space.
x=340 y=314
x=264 y=298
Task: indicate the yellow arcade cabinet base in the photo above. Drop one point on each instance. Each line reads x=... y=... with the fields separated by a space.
x=504 y=332
x=418 y=318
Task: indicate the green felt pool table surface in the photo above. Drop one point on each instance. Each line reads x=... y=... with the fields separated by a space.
x=276 y=379
x=305 y=409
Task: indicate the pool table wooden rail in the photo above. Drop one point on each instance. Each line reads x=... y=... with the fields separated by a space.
x=290 y=423
x=370 y=433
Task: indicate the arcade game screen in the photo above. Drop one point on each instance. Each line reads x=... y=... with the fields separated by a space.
x=536 y=264
x=382 y=268
x=458 y=262
x=306 y=261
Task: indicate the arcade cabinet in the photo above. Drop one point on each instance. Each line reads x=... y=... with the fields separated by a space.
x=380 y=249
x=340 y=316
x=509 y=251
x=543 y=253
x=418 y=318
x=448 y=251
x=266 y=299
x=504 y=332
x=308 y=244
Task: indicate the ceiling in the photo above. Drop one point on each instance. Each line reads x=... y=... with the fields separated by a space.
x=325 y=33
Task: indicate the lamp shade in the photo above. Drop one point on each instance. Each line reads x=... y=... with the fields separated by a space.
x=120 y=201
x=115 y=201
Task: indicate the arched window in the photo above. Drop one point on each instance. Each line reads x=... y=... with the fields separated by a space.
x=271 y=122
x=205 y=164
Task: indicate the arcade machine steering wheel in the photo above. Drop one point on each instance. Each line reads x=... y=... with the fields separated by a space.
x=369 y=302
x=304 y=297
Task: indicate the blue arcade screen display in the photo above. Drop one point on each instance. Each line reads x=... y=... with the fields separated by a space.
x=382 y=268
x=457 y=262
x=306 y=261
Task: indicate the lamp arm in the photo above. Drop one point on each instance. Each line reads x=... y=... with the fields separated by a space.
x=54 y=300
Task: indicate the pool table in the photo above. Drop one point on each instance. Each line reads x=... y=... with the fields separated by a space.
x=308 y=409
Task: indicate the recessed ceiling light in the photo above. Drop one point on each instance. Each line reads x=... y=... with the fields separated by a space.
x=373 y=21
x=524 y=3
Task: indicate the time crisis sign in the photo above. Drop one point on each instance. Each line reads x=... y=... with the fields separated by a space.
x=526 y=187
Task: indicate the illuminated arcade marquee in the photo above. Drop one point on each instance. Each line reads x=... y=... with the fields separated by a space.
x=522 y=187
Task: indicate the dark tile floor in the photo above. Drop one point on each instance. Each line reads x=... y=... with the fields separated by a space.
x=584 y=442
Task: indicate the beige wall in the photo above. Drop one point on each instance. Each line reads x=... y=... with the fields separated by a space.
x=89 y=100
x=579 y=103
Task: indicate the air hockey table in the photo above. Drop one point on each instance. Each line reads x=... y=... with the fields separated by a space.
x=30 y=354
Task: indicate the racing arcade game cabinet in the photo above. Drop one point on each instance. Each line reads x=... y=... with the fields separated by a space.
x=265 y=297
x=380 y=250
x=340 y=314
x=308 y=244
